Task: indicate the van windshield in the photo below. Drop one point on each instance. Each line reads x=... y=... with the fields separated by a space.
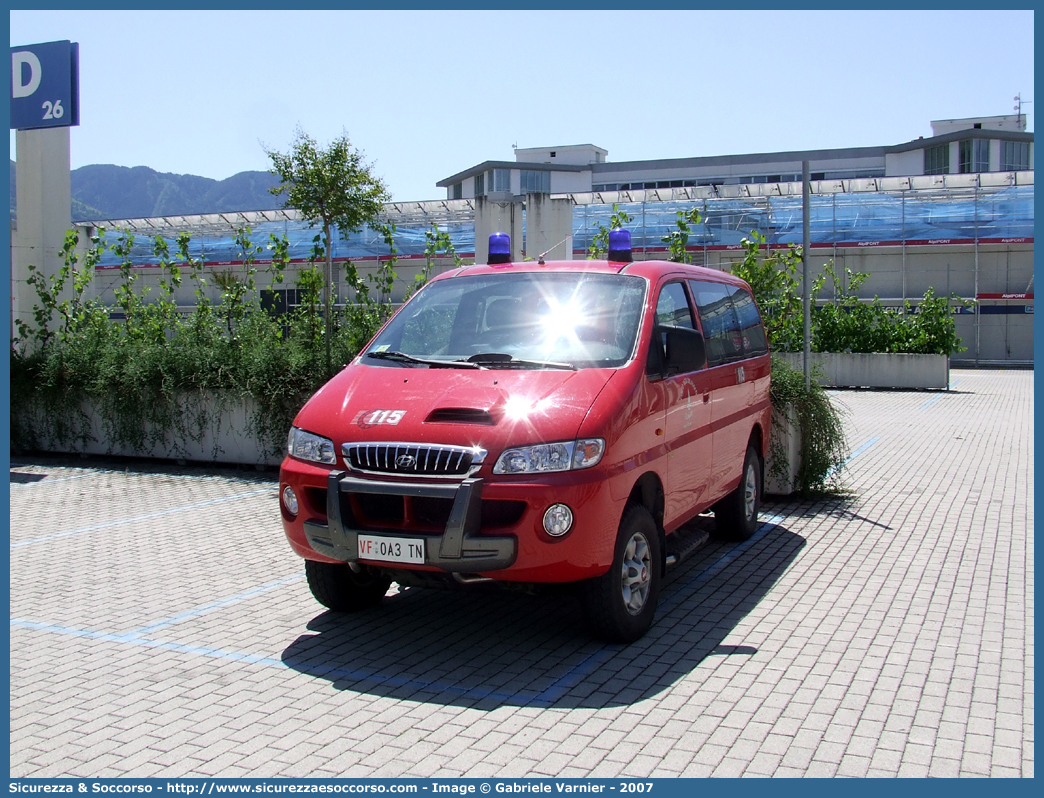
x=521 y=320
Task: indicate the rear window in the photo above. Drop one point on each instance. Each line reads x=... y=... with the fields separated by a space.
x=731 y=322
x=749 y=321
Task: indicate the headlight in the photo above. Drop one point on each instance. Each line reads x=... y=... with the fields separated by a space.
x=307 y=446
x=545 y=457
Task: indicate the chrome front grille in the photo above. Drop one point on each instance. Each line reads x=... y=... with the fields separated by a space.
x=413 y=459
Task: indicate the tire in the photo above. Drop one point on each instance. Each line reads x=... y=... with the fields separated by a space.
x=339 y=588
x=621 y=604
x=737 y=513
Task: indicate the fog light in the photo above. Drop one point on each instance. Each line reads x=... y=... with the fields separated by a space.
x=558 y=520
x=290 y=500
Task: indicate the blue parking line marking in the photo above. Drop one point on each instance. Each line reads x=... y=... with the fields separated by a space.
x=330 y=672
x=570 y=679
x=853 y=455
x=860 y=450
x=593 y=661
x=678 y=592
x=939 y=396
x=58 y=535
x=216 y=605
x=546 y=697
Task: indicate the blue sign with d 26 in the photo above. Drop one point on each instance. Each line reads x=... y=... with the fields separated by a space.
x=45 y=85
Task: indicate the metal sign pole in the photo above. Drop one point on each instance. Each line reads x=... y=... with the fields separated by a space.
x=806 y=288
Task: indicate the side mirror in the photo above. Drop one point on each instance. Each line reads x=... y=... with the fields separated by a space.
x=685 y=349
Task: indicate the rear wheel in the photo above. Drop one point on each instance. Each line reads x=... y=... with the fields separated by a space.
x=737 y=513
x=621 y=603
x=339 y=588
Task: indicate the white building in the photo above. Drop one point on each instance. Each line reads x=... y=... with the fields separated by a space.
x=974 y=145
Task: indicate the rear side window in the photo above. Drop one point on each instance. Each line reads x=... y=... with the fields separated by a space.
x=720 y=325
x=754 y=343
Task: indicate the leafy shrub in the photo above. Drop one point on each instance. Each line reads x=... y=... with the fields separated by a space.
x=824 y=448
x=152 y=373
x=847 y=324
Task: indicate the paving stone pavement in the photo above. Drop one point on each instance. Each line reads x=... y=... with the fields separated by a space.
x=161 y=626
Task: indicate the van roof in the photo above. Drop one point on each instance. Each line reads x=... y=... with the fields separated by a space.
x=651 y=269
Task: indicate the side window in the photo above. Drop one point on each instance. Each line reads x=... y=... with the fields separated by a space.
x=672 y=310
x=720 y=325
x=749 y=319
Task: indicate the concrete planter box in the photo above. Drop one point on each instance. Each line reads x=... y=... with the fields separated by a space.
x=877 y=370
x=224 y=436
x=786 y=440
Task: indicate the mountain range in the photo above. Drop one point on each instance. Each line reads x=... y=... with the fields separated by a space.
x=104 y=191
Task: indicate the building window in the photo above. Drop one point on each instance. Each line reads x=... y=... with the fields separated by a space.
x=480 y=184
x=974 y=155
x=458 y=191
x=536 y=181
x=498 y=180
x=937 y=160
x=1015 y=156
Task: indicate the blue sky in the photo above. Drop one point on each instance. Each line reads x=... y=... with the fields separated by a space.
x=426 y=94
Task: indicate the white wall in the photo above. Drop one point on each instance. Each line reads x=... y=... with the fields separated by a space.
x=906 y=163
x=497 y=217
x=43 y=195
x=738 y=170
x=570 y=182
x=549 y=223
x=572 y=154
x=941 y=127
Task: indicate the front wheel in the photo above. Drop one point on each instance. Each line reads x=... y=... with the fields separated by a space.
x=737 y=513
x=339 y=588
x=621 y=603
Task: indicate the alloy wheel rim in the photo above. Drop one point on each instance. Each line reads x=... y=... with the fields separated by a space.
x=750 y=491
x=637 y=569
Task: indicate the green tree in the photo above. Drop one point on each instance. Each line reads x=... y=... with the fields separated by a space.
x=678 y=240
x=333 y=186
x=773 y=278
x=600 y=241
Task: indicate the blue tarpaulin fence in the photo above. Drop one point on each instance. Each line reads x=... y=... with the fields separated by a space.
x=834 y=219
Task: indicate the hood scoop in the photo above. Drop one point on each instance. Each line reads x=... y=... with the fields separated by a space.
x=460 y=415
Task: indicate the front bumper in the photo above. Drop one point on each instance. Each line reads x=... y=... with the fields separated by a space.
x=461 y=549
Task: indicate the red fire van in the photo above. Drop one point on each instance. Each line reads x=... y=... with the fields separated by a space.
x=535 y=423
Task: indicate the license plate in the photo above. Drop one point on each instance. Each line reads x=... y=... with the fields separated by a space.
x=405 y=550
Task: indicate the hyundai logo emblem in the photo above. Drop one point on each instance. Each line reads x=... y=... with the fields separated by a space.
x=405 y=462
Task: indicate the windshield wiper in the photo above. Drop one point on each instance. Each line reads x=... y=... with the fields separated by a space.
x=402 y=357
x=500 y=360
